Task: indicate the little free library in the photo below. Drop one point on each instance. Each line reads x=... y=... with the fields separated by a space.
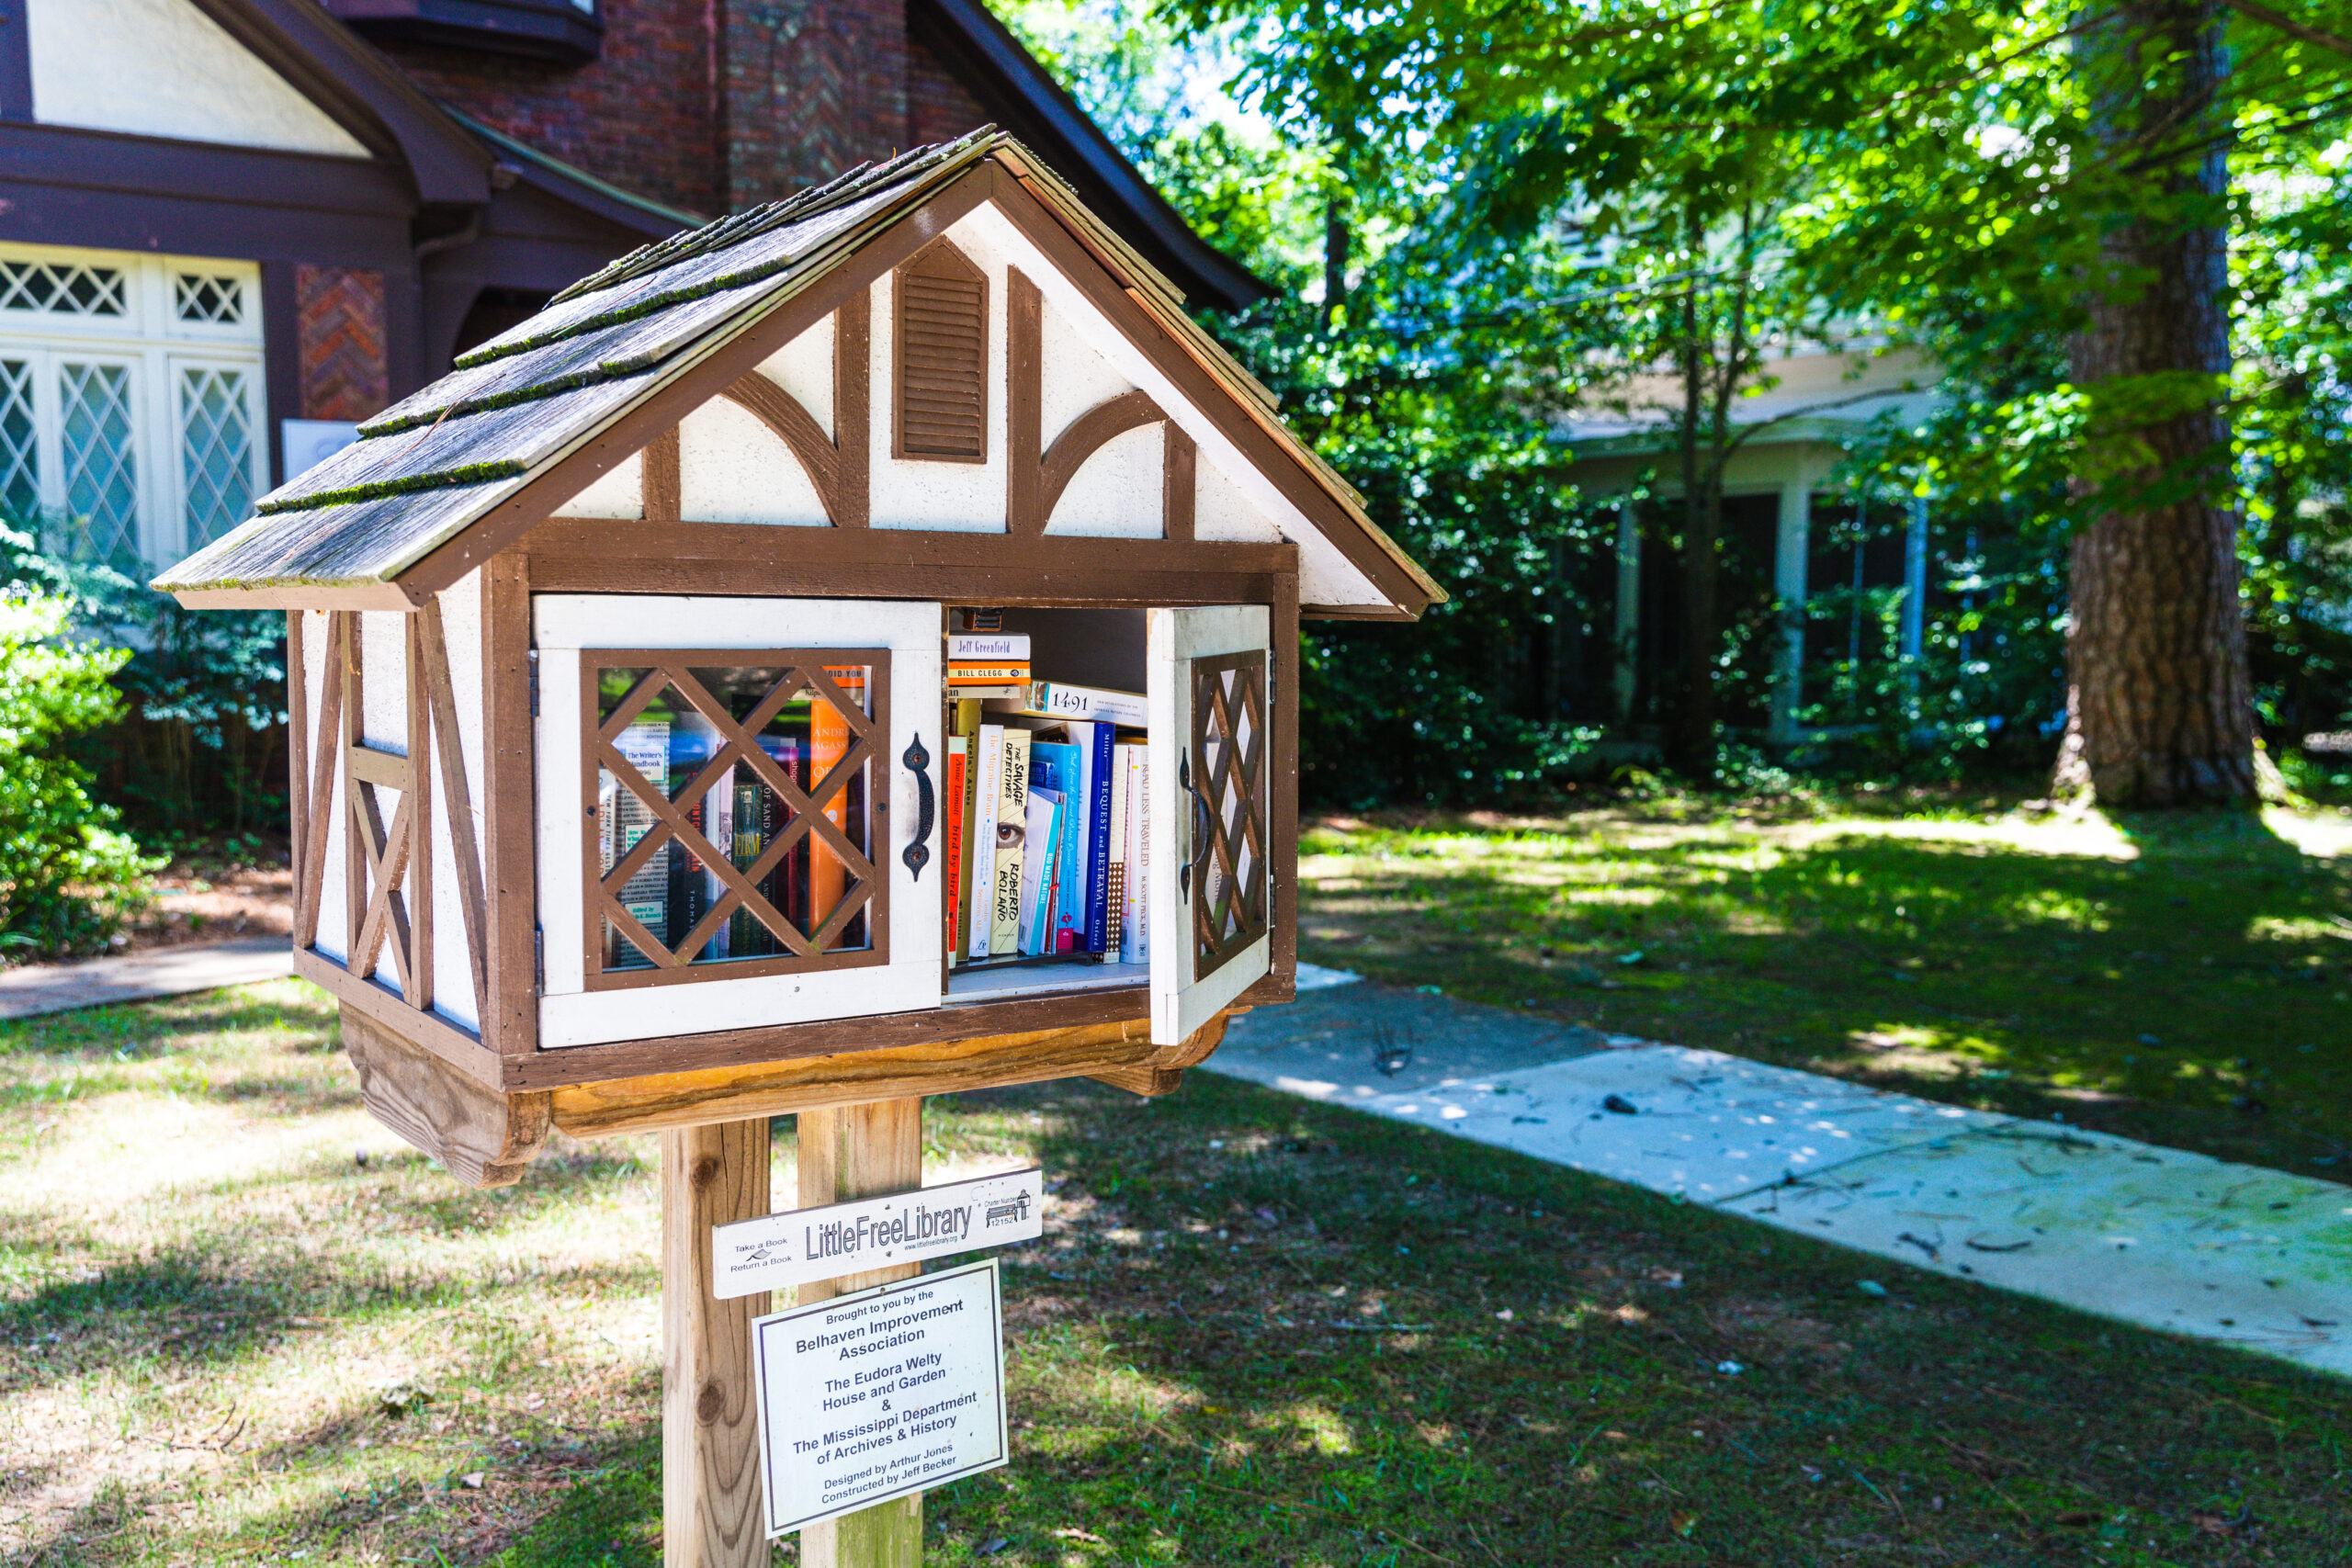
x=837 y=655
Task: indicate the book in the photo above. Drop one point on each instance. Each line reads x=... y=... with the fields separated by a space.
x=987 y=648
x=1059 y=766
x=1045 y=816
x=1095 y=897
x=986 y=664
x=964 y=720
x=829 y=742
x=1135 y=930
x=952 y=839
x=1059 y=699
x=1012 y=829
x=786 y=884
x=1114 y=877
x=980 y=894
x=693 y=740
x=644 y=746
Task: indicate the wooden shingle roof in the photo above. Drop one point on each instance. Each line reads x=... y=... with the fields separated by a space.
x=430 y=467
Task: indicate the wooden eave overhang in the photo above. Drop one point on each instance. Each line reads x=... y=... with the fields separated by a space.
x=449 y=477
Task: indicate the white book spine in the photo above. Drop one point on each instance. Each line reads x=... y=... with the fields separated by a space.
x=982 y=832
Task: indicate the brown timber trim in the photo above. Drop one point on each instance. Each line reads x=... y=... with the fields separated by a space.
x=1087 y=435
x=1025 y=434
x=660 y=483
x=1214 y=400
x=372 y=765
x=456 y=795
x=484 y=1137
x=355 y=858
x=1179 y=483
x=588 y=556
x=417 y=983
x=383 y=1006
x=1127 y=1005
x=1355 y=613
x=854 y=407
x=1284 y=657
x=719 y=369
x=510 y=1008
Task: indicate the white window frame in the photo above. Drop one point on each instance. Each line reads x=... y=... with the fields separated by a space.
x=149 y=337
x=564 y=624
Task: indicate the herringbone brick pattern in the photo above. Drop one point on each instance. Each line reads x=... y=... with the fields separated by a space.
x=339 y=329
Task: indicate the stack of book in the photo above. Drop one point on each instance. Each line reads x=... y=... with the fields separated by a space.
x=1047 y=827
x=988 y=664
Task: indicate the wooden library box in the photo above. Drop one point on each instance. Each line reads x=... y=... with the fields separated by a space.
x=646 y=672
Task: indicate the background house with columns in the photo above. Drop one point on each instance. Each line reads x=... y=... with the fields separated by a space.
x=1783 y=538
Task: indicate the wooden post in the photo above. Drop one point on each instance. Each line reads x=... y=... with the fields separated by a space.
x=862 y=1151
x=712 y=1175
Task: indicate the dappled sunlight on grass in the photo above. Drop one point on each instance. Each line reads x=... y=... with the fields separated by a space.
x=2062 y=965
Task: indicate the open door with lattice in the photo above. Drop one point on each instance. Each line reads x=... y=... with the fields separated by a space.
x=1212 y=889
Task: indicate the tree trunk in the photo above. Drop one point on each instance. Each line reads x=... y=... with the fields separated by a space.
x=1691 y=742
x=2159 y=705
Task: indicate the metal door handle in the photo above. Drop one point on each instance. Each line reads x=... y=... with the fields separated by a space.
x=918 y=850
x=1201 y=815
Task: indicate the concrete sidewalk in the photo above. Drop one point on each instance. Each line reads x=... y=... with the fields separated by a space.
x=2151 y=1236
x=167 y=972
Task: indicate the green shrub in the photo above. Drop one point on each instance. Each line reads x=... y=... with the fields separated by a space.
x=67 y=876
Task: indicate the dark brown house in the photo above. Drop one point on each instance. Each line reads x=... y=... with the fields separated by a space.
x=233 y=229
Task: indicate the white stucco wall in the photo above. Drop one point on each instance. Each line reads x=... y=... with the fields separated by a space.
x=1117 y=492
x=619 y=491
x=453 y=974
x=732 y=468
x=164 y=68
x=805 y=369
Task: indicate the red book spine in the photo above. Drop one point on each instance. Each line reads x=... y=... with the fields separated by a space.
x=953 y=877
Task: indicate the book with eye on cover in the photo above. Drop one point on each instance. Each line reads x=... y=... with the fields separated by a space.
x=1012 y=829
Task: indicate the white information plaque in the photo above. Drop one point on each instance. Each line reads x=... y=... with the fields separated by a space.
x=800 y=1245
x=869 y=1397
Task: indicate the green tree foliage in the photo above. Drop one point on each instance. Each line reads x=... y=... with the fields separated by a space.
x=66 y=875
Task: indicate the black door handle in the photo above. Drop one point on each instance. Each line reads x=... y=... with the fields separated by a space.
x=918 y=850
x=1202 y=817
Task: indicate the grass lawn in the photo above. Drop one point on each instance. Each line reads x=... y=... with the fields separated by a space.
x=2183 y=980
x=1260 y=1332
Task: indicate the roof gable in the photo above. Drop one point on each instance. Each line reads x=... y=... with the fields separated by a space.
x=164 y=68
x=741 y=312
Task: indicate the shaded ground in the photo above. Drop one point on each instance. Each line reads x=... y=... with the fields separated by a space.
x=225 y=1339
x=2180 y=980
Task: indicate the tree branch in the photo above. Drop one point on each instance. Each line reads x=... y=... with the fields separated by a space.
x=2302 y=32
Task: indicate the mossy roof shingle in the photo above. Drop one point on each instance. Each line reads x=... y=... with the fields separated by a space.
x=433 y=463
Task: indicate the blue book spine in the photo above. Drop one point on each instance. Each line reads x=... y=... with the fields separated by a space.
x=1041 y=931
x=1098 y=847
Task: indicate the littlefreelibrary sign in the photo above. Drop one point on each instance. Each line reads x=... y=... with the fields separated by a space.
x=869 y=1397
x=801 y=1244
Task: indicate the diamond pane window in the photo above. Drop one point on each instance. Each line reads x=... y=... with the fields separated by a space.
x=63 y=288
x=19 y=444
x=101 y=478
x=201 y=297
x=1226 y=775
x=734 y=813
x=216 y=451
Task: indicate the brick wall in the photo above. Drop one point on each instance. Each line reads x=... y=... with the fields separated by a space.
x=641 y=116
x=804 y=89
x=939 y=108
x=340 y=342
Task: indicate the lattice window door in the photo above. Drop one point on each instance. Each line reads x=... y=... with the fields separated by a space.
x=795 y=885
x=1224 y=775
x=1211 y=694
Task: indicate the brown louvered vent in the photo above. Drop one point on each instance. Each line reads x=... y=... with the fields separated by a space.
x=942 y=355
